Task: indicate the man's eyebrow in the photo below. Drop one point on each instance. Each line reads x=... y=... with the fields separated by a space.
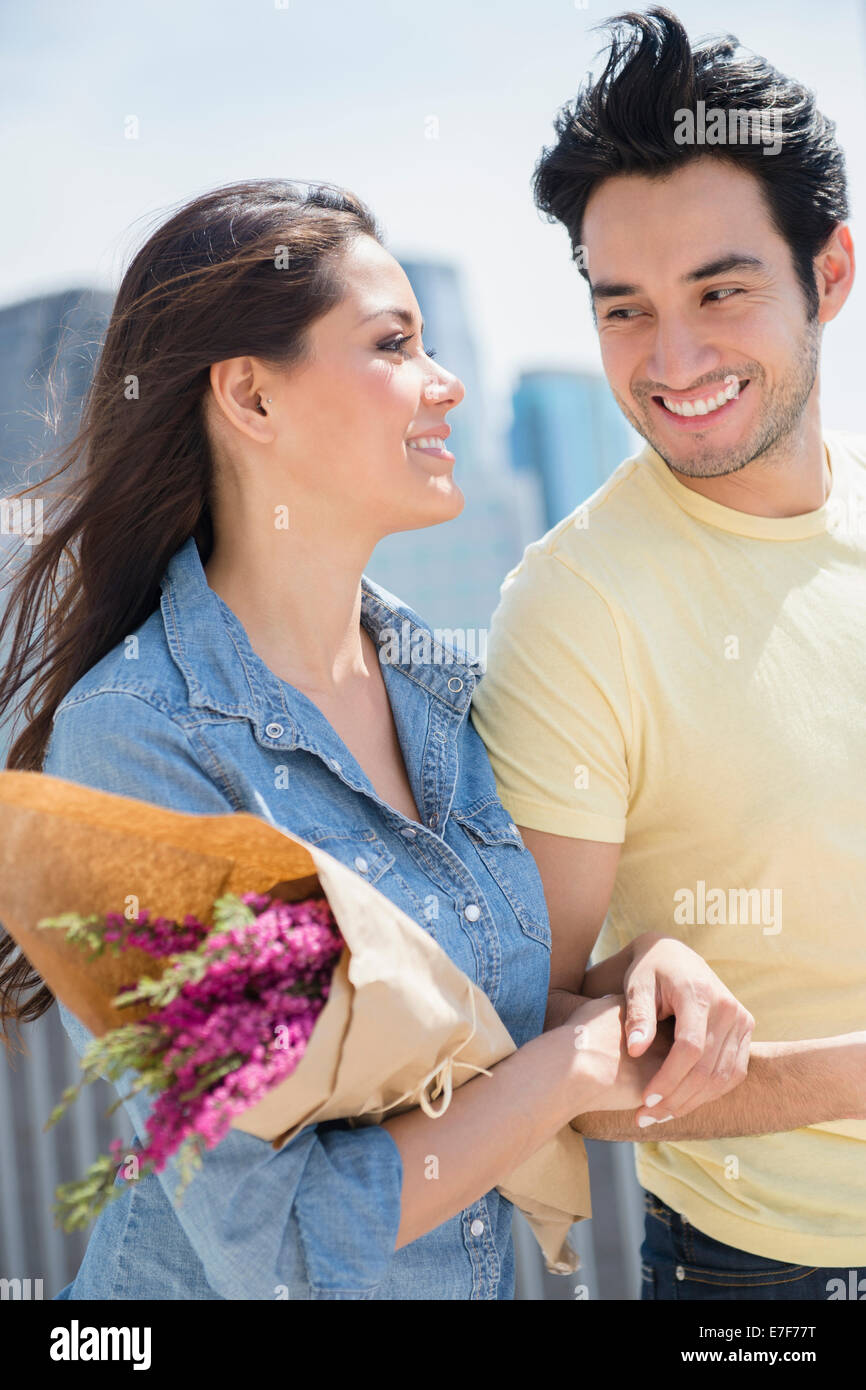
x=612 y=289
x=404 y=315
x=735 y=260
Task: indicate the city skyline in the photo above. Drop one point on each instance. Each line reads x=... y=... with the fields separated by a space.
x=107 y=127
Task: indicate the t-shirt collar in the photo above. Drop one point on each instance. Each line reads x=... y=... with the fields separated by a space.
x=779 y=528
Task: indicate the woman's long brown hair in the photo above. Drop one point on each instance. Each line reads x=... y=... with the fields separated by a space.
x=242 y=270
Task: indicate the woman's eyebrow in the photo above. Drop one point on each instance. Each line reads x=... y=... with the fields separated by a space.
x=404 y=315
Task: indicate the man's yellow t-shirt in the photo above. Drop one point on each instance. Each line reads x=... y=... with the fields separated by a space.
x=690 y=680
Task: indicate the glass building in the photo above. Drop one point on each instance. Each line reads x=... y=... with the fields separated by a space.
x=62 y=331
x=451 y=573
x=569 y=432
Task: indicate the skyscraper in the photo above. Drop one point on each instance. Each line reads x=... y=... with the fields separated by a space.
x=569 y=432
x=451 y=573
x=62 y=331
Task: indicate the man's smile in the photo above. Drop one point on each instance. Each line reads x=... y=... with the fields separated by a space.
x=700 y=410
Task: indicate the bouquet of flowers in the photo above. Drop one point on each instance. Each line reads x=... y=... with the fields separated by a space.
x=396 y=1025
x=231 y=1016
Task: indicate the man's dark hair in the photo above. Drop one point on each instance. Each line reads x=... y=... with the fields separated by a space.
x=626 y=122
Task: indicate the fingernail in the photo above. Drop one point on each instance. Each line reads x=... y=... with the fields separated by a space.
x=635 y=1036
x=661 y=1119
x=651 y=1101
x=646 y=1120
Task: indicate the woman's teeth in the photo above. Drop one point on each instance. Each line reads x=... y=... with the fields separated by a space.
x=706 y=404
x=426 y=444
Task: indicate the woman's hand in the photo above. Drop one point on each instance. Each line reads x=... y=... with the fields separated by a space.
x=713 y=1032
x=597 y=1030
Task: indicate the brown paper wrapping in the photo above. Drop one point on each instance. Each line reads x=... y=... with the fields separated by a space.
x=402 y=1024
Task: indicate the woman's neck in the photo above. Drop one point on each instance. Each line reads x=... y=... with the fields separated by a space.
x=299 y=603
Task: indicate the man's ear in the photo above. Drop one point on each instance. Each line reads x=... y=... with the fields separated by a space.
x=834 y=272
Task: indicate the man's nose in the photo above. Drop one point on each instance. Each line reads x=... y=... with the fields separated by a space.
x=679 y=355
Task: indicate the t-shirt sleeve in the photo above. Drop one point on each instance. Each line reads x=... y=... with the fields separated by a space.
x=554 y=706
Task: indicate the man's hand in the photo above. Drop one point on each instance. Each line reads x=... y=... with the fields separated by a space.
x=660 y=976
x=712 y=1034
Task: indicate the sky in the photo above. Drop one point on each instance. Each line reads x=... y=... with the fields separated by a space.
x=350 y=93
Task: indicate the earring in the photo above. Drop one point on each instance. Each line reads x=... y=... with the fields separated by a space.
x=270 y=398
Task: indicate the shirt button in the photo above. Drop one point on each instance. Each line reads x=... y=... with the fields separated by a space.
x=513 y=828
x=477 y=1227
x=680 y=1272
x=361 y=864
x=408 y=832
x=273 y=730
x=433 y=819
x=472 y=912
x=334 y=764
x=455 y=684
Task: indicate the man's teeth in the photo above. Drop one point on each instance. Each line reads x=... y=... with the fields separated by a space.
x=707 y=404
x=426 y=444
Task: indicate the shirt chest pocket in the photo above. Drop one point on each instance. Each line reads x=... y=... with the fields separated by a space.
x=360 y=848
x=499 y=845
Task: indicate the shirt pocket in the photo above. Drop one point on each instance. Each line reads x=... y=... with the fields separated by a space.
x=360 y=848
x=500 y=847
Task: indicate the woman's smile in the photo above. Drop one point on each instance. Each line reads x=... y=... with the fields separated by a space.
x=433 y=446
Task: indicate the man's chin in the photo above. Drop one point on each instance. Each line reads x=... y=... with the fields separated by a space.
x=699 y=464
x=698 y=455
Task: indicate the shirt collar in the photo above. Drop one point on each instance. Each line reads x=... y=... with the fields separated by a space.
x=209 y=645
x=759 y=527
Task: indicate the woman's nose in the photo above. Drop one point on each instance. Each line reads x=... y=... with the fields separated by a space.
x=447 y=387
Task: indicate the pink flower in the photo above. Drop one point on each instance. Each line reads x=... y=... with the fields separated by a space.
x=234 y=1029
x=253 y=1011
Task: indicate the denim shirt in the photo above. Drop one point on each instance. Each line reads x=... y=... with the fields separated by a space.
x=184 y=714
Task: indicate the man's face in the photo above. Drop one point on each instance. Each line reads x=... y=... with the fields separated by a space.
x=702 y=322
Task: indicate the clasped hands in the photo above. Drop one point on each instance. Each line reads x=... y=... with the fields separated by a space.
x=673 y=1040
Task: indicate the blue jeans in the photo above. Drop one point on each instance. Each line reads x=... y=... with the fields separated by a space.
x=680 y=1262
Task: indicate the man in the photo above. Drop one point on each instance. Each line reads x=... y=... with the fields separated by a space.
x=674 y=695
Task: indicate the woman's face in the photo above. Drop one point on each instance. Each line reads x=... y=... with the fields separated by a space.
x=350 y=416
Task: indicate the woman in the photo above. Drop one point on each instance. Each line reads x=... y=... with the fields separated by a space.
x=263 y=412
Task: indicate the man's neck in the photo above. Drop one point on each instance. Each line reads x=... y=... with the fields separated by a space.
x=790 y=479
